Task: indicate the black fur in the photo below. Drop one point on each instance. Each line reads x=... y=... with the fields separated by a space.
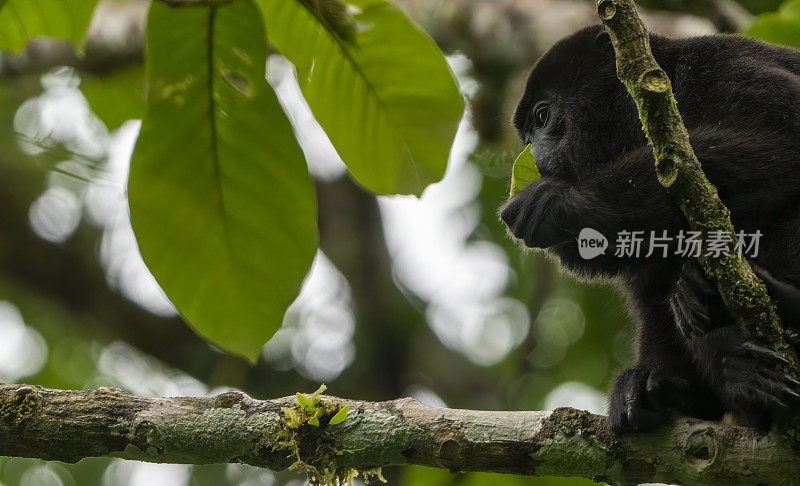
x=740 y=100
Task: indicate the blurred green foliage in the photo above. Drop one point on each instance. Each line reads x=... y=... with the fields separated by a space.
x=781 y=27
x=424 y=476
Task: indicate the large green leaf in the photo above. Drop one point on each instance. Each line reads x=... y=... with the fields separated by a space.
x=781 y=27
x=20 y=20
x=386 y=98
x=221 y=201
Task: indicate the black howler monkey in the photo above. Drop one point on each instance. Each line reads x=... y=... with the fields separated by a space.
x=740 y=101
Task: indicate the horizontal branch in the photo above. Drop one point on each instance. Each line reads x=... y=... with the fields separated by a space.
x=69 y=425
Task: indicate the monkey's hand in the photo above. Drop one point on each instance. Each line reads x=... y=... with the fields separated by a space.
x=750 y=373
x=745 y=375
x=644 y=398
x=537 y=214
x=698 y=307
x=696 y=304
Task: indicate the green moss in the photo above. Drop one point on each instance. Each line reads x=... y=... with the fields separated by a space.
x=570 y=421
x=14 y=410
x=302 y=435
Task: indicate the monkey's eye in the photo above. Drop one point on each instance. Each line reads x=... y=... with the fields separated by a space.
x=541 y=113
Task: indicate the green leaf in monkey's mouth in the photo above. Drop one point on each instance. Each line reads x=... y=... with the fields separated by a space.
x=524 y=171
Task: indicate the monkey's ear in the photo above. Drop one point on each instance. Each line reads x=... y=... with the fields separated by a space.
x=603 y=41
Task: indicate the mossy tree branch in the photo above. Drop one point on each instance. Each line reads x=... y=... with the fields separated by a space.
x=70 y=425
x=680 y=172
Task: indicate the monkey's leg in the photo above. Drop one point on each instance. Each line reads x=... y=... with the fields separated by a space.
x=662 y=382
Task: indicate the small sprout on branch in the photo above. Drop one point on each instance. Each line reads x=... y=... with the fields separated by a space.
x=308 y=410
x=303 y=401
x=340 y=416
x=321 y=463
x=315 y=419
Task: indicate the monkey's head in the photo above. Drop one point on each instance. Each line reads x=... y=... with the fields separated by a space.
x=575 y=112
x=577 y=116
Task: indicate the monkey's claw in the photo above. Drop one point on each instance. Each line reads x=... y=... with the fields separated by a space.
x=762 y=353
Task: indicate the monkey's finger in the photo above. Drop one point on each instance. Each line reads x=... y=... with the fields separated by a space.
x=783 y=383
x=641 y=411
x=743 y=368
x=744 y=373
x=696 y=315
x=793 y=395
x=654 y=389
x=680 y=319
x=692 y=304
x=776 y=388
x=642 y=419
x=691 y=321
x=760 y=352
x=751 y=385
x=632 y=397
x=791 y=380
x=784 y=378
x=769 y=399
x=756 y=382
x=699 y=323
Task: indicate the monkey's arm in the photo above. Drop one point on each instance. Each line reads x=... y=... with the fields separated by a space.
x=622 y=195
